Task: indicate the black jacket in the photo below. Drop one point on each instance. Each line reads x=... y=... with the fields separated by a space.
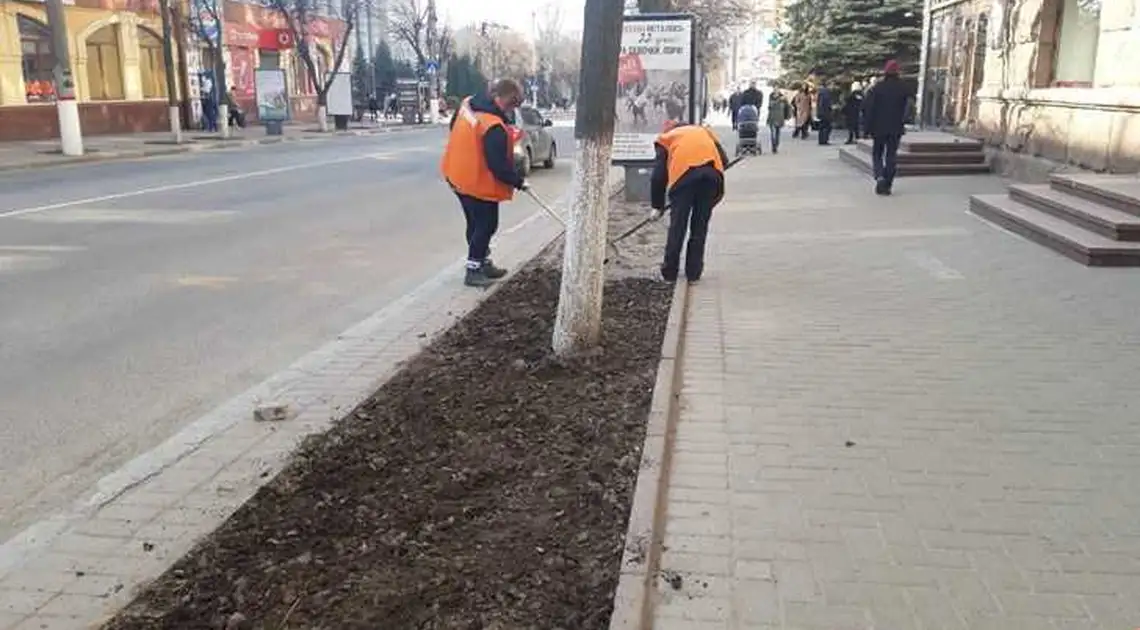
x=885 y=107
x=752 y=96
x=659 y=181
x=853 y=106
x=495 y=142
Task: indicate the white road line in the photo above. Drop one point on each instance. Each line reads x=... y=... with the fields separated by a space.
x=934 y=267
x=200 y=182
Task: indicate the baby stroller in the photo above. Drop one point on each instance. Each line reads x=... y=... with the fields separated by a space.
x=747 y=130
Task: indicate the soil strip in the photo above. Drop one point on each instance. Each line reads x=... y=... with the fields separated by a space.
x=486 y=486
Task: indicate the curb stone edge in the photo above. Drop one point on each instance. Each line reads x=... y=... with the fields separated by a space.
x=641 y=559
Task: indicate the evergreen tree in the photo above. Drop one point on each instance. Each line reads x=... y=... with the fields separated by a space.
x=845 y=40
x=464 y=78
x=360 y=77
x=384 y=68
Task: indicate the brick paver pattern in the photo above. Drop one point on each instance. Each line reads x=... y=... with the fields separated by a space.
x=895 y=416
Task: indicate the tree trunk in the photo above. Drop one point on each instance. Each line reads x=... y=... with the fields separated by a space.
x=578 y=325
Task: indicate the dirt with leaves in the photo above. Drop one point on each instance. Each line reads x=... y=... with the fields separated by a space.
x=486 y=486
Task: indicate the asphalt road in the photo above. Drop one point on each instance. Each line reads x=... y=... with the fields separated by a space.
x=136 y=296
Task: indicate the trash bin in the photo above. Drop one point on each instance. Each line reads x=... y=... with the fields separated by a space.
x=341 y=122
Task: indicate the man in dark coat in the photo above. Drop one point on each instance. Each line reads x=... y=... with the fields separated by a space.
x=733 y=105
x=752 y=96
x=823 y=106
x=852 y=109
x=886 y=107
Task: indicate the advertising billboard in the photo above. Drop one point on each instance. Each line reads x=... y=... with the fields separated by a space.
x=656 y=82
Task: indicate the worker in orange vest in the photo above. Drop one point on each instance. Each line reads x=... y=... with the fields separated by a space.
x=478 y=164
x=689 y=169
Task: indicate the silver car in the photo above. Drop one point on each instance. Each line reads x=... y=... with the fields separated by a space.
x=536 y=145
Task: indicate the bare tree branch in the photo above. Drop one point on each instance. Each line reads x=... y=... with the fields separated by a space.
x=299 y=18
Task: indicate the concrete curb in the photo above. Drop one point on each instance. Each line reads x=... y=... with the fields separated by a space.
x=633 y=601
x=202 y=145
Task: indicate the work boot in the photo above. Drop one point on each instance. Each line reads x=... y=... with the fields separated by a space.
x=491 y=271
x=669 y=275
x=881 y=186
x=477 y=278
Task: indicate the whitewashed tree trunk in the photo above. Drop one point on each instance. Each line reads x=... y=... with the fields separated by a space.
x=579 y=322
x=224 y=120
x=323 y=118
x=578 y=325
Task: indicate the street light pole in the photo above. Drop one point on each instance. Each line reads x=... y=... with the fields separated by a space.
x=70 y=132
x=168 y=61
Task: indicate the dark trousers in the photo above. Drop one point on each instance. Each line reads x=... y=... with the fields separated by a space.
x=884 y=157
x=482 y=223
x=824 y=130
x=692 y=205
x=774 y=132
x=802 y=130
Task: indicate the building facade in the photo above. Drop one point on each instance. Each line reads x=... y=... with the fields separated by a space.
x=116 y=58
x=1058 y=82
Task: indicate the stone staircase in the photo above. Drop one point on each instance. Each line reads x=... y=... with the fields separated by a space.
x=925 y=153
x=1093 y=219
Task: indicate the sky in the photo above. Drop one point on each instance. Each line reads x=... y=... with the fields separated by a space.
x=512 y=13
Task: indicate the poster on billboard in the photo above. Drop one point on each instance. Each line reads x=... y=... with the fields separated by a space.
x=272 y=95
x=656 y=82
x=340 y=95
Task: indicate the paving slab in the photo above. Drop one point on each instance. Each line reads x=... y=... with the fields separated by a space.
x=894 y=415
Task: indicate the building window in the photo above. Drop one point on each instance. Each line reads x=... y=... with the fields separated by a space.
x=152 y=68
x=1077 y=39
x=104 y=68
x=301 y=82
x=37 y=59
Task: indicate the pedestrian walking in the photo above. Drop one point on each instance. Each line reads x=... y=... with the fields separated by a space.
x=733 y=105
x=823 y=113
x=779 y=111
x=689 y=170
x=802 y=102
x=236 y=117
x=886 y=106
x=852 y=109
x=478 y=164
x=752 y=96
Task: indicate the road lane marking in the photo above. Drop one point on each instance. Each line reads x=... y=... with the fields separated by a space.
x=41 y=248
x=158 y=216
x=14 y=263
x=936 y=268
x=206 y=282
x=193 y=184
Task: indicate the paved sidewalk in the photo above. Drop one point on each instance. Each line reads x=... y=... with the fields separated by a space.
x=896 y=416
x=45 y=153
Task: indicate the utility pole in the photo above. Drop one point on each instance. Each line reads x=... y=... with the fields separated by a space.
x=369 y=8
x=168 y=61
x=433 y=102
x=220 y=71
x=70 y=133
x=578 y=324
x=178 y=17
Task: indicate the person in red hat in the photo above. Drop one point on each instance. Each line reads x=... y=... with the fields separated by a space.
x=886 y=106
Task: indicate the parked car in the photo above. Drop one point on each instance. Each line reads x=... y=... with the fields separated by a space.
x=534 y=144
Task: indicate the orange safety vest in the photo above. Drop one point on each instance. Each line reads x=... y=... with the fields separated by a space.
x=464 y=165
x=689 y=147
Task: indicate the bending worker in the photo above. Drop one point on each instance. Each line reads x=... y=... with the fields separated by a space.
x=479 y=165
x=690 y=169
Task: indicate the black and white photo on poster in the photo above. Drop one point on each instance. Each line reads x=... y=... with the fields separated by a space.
x=655 y=76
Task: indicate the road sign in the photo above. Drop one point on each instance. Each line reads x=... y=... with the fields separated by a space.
x=432 y=67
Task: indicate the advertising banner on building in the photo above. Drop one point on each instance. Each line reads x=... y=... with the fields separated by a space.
x=272 y=95
x=656 y=82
